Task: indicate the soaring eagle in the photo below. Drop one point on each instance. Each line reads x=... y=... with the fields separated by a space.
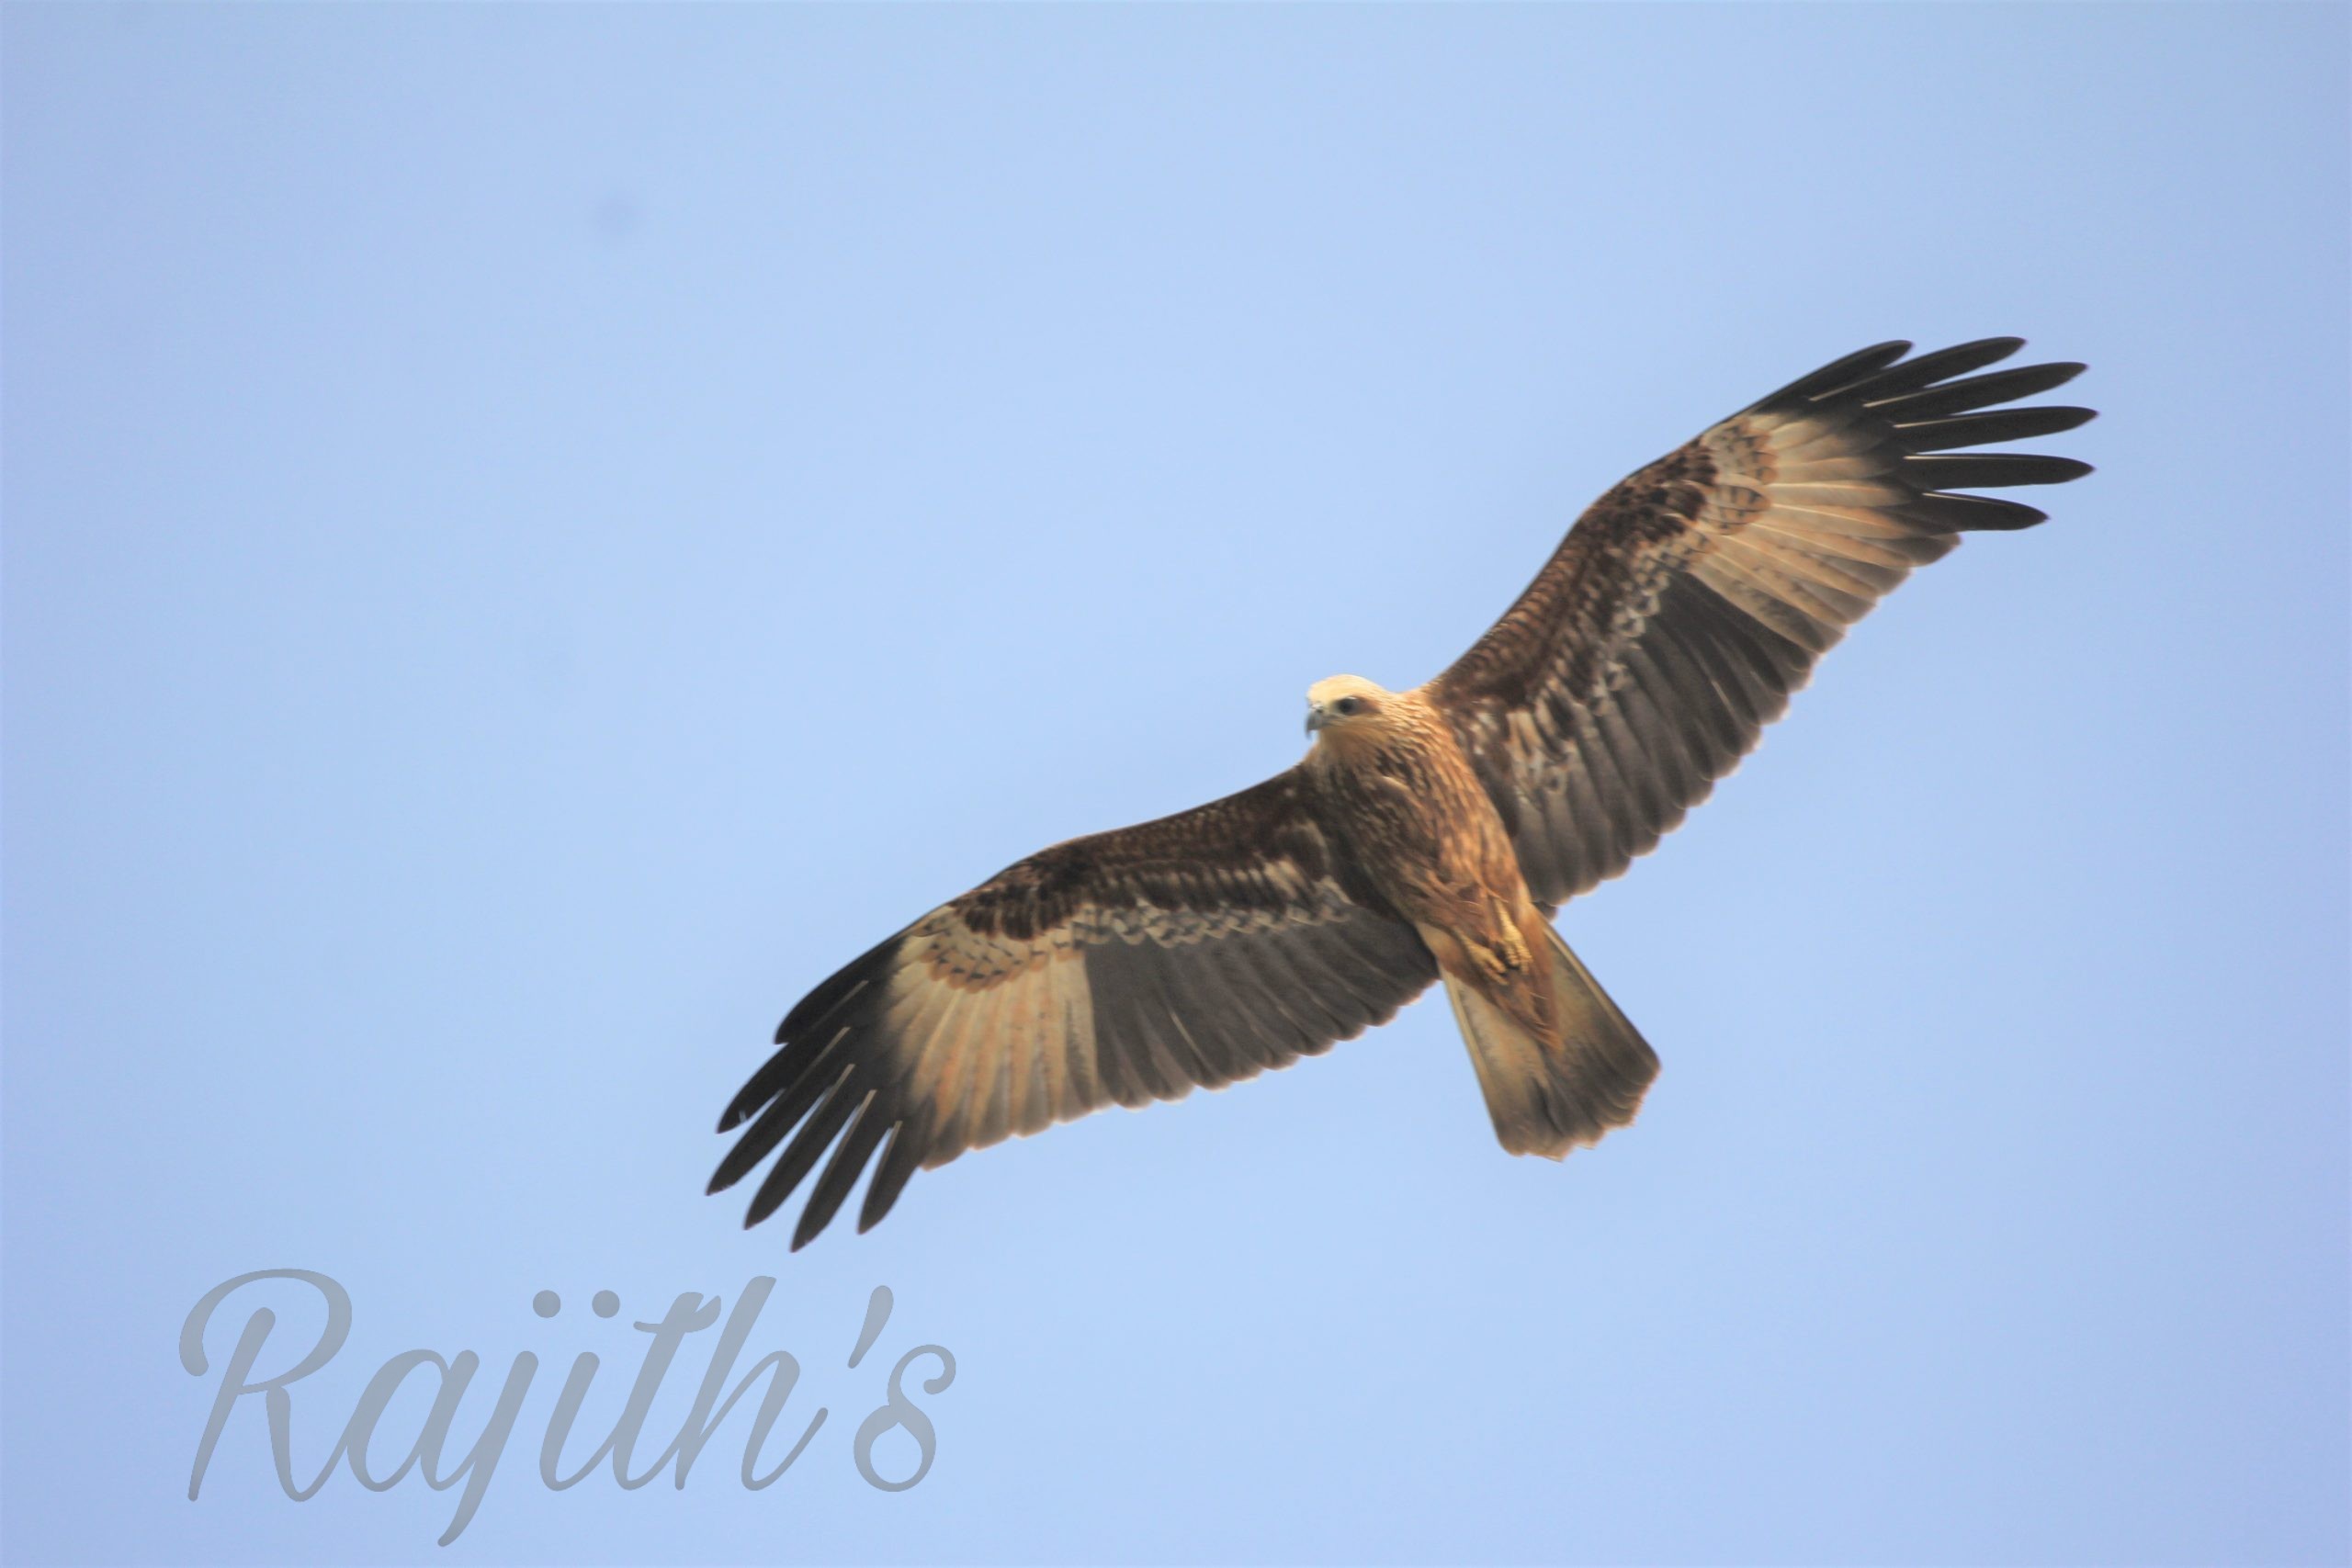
x=1427 y=834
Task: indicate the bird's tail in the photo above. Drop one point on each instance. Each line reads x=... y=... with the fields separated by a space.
x=1550 y=1095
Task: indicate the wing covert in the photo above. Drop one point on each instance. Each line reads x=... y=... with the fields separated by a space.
x=1688 y=603
x=1124 y=967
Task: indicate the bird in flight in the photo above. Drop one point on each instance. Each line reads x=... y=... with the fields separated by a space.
x=1427 y=834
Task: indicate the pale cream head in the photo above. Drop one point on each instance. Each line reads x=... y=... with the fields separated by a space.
x=1345 y=702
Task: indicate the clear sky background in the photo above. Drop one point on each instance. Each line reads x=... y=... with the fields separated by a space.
x=535 y=533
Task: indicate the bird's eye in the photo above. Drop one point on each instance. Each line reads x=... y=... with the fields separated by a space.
x=1347 y=707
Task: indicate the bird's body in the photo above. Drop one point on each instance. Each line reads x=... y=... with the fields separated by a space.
x=1404 y=803
x=1428 y=834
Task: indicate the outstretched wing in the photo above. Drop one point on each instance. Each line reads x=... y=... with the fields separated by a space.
x=1129 y=966
x=1682 y=609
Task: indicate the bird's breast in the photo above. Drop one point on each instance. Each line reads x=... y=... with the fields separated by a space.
x=1417 y=821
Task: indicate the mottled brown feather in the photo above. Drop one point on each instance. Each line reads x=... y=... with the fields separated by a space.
x=1124 y=967
x=1687 y=602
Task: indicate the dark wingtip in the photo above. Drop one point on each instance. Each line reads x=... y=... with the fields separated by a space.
x=1948 y=472
x=1838 y=373
x=2049 y=471
x=1976 y=391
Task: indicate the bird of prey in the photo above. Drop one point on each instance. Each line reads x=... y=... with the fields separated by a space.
x=1427 y=834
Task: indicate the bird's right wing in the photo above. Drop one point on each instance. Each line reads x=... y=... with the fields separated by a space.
x=1129 y=966
x=1687 y=604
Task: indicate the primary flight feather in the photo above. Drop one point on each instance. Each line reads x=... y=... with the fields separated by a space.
x=1427 y=834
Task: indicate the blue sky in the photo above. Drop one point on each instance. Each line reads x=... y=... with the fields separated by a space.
x=533 y=533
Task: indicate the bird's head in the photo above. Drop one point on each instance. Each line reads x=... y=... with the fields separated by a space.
x=1347 y=706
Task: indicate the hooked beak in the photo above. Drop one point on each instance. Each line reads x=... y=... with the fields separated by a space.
x=1316 y=717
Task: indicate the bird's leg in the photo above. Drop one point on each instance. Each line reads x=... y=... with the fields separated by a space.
x=1515 y=953
x=1504 y=955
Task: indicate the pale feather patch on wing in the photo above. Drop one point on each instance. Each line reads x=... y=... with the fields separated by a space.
x=1124 y=969
x=1678 y=616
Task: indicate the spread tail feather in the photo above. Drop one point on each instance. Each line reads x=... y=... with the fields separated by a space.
x=1548 y=1099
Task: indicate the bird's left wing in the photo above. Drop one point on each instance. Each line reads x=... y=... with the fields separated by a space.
x=1129 y=966
x=1687 y=604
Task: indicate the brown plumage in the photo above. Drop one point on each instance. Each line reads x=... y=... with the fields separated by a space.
x=1428 y=833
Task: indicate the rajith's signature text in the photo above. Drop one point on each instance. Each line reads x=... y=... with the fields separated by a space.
x=689 y=1315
